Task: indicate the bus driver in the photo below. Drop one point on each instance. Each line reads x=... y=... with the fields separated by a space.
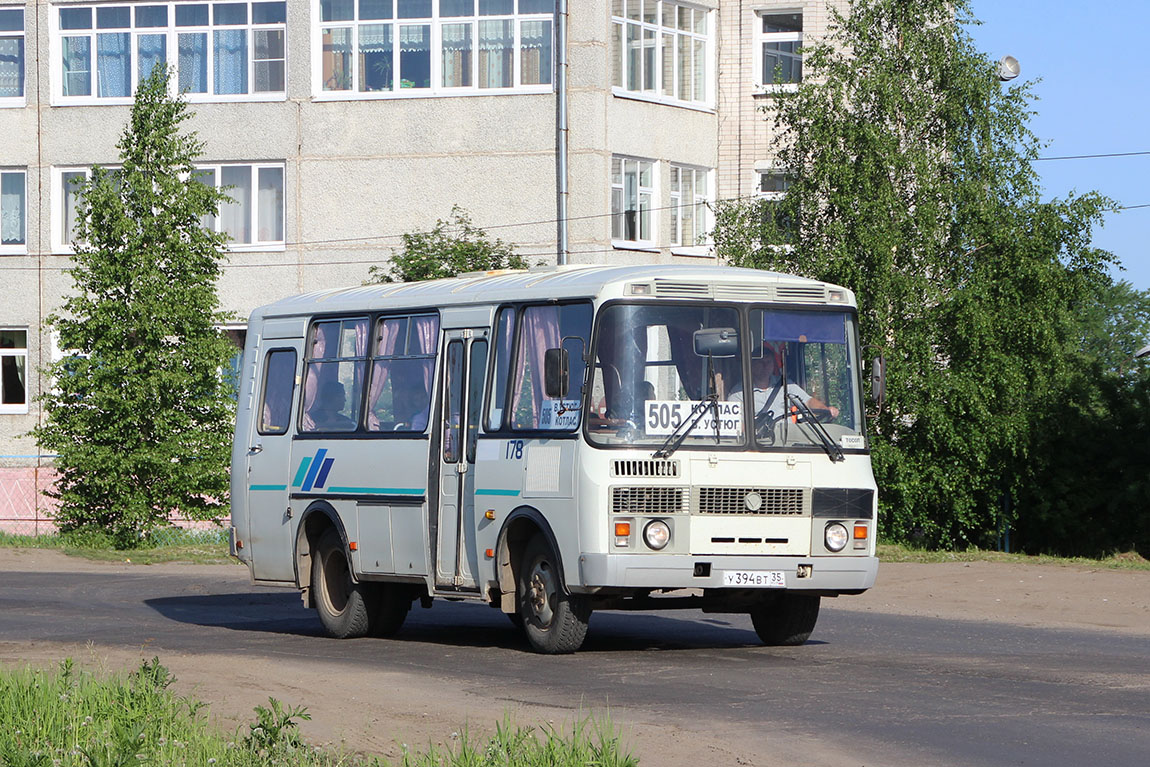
x=768 y=391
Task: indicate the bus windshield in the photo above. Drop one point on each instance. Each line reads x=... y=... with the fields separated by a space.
x=661 y=368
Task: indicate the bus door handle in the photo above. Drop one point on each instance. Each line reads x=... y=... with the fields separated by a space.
x=255 y=449
x=461 y=467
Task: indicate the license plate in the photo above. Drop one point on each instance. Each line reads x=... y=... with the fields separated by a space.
x=755 y=579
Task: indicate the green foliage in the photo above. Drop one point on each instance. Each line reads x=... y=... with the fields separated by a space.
x=450 y=248
x=71 y=718
x=913 y=186
x=141 y=418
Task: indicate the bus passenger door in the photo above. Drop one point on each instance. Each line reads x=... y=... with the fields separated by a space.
x=269 y=534
x=465 y=372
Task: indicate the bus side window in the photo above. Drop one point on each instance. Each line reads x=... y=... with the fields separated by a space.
x=333 y=381
x=279 y=383
x=542 y=328
x=501 y=368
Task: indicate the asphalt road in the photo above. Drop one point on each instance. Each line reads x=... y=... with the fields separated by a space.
x=929 y=691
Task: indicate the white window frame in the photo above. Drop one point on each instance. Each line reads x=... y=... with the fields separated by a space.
x=6 y=352
x=662 y=26
x=652 y=193
x=22 y=247
x=172 y=34
x=61 y=244
x=699 y=205
x=774 y=195
x=763 y=38
x=436 y=24
x=21 y=35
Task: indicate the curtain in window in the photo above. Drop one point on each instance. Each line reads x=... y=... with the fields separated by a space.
x=193 y=62
x=71 y=194
x=113 y=64
x=12 y=208
x=235 y=217
x=535 y=64
x=389 y=333
x=457 y=55
x=496 y=47
x=415 y=55
x=231 y=49
x=152 y=50
x=375 y=58
x=539 y=331
x=270 y=206
x=77 y=55
x=11 y=67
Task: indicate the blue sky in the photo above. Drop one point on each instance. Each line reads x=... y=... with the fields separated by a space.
x=1094 y=98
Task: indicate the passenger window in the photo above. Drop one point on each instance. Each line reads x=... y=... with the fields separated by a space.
x=454 y=409
x=403 y=363
x=543 y=328
x=279 y=384
x=333 y=385
x=504 y=325
x=478 y=375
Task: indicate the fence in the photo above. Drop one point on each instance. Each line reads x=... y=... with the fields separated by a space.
x=25 y=510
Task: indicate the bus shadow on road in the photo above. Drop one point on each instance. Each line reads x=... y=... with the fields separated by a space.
x=459 y=624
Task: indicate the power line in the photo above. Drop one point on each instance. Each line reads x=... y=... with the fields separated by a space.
x=1092 y=156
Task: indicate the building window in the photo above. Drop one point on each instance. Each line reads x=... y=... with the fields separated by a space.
x=374 y=48
x=773 y=186
x=780 y=36
x=254 y=218
x=13 y=211
x=690 y=193
x=13 y=370
x=632 y=200
x=220 y=51
x=661 y=50
x=11 y=57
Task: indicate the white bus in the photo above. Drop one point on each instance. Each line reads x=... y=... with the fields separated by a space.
x=558 y=441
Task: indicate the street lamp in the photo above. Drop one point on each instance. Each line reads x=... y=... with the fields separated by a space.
x=1008 y=68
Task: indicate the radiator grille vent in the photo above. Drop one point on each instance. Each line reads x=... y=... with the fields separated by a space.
x=648 y=500
x=645 y=468
x=677 y=289
x=743 y=292
x=796 y=293
x=773 y=501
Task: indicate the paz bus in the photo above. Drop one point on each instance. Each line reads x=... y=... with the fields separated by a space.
x=558 y=441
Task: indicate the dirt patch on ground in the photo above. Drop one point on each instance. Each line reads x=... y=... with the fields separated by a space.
x=382 y=710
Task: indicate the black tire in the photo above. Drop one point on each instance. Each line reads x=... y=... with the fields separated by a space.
x=345 y=608
x=787 y=620
x=392 y=603
x=555 y=622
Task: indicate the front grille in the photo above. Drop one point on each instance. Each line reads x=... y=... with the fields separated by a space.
x=644 y=468
x=773 y=501
x=648 y=500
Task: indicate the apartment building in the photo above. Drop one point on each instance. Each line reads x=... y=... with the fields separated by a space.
x=582 y=131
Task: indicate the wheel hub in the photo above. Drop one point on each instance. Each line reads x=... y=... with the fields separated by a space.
x=539 y=595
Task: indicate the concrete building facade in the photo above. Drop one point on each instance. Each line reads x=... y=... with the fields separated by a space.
x=590 y=131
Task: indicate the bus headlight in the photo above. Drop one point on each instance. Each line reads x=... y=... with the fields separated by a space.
x=836 y=536
x=657 y=534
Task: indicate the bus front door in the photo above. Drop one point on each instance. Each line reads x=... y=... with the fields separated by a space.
x=465 y=371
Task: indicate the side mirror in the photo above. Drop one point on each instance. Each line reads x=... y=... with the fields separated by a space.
x=878 y=380
x=716 y=342
x=556 y=373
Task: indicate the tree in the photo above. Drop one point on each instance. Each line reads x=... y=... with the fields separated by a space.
x=450 y=248
x=141 y=417
x=912 y=184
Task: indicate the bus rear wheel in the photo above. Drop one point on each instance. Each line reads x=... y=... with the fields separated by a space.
x=787 y=620
x=555 y=622
x=345 y=607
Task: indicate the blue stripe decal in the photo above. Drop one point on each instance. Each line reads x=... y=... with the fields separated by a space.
x=496 y=491
x=268 y=487
x=309 y=480
x=299 y=475
x=377 y=490
x=323 y=471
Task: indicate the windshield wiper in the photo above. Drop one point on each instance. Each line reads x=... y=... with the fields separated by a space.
x=808 y=418
x=676 y=437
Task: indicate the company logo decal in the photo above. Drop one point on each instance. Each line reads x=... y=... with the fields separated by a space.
x=313 y=471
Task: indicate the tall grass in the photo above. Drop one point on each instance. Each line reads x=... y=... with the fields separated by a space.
x=68 y=717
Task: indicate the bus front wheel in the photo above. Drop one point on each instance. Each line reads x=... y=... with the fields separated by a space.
x=554 y=621
x=345 y=607
x=787 y=620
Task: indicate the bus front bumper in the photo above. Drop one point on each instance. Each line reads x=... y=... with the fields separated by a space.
x=682 y=571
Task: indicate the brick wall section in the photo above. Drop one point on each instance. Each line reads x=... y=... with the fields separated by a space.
x=745 y=134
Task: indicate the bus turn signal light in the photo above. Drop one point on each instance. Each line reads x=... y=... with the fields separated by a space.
x=860 y=532
x=622 y=529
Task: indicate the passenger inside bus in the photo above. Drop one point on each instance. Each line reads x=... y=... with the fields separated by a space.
x=326 y=410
